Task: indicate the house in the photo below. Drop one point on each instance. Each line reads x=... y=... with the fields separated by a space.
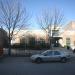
x=3 y=40
x=29 y=33
x=40 y=36
x=68 y=35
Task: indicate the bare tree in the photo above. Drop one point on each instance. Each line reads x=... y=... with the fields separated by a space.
x=12 y=17
x=50 y=22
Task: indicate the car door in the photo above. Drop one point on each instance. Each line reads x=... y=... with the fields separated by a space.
x=56 y=55
x=48 y=56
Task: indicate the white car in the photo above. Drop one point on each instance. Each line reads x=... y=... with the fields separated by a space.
x=51 y=55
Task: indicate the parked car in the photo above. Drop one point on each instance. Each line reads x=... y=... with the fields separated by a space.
x=51 y=55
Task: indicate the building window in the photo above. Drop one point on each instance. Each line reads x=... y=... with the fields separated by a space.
x=68 y=41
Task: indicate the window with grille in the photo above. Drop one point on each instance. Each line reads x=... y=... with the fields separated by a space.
x=68 y=41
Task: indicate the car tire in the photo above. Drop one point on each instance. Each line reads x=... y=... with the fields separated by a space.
x=38 y=60
x=64 y=60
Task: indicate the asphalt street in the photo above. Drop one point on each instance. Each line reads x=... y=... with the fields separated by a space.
x=23 y=66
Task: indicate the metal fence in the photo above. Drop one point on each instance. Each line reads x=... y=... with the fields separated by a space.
x=17 y=52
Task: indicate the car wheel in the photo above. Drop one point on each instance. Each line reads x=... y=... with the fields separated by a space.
x=63 y=59
x=38 y=60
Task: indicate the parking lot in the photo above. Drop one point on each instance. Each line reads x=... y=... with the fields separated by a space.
x=23 y=66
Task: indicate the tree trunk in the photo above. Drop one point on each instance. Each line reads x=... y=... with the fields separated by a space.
x=50 y=43
x=9 y=48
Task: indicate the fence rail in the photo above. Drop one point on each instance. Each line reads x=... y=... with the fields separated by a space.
x=17 y=52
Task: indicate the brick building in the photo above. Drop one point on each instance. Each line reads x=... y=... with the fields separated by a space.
x=3 y=40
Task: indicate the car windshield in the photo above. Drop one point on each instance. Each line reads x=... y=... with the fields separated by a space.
x=47 y=53
x=44 y=52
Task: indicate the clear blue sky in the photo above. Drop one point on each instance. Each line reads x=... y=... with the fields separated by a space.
x=34 y=7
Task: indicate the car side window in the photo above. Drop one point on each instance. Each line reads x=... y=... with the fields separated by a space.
x=49 y=53
x=56 y=53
